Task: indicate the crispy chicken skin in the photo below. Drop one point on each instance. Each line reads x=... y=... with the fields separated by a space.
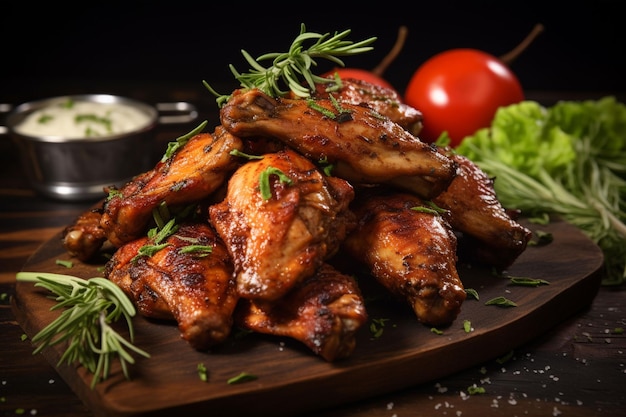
x=84 y=238
x=323 y=312
x=279 y=241
x=364 y=146
x=382 y=100
x=191 y=174
x=489 y=234
x=194 y=288
x=411 y=253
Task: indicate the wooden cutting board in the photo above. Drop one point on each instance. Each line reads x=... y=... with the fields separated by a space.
x=290 y=378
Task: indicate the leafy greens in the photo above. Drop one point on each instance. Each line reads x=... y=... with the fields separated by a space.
x=567 y=160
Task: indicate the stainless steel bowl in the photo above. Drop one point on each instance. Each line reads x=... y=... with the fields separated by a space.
x=79 y=169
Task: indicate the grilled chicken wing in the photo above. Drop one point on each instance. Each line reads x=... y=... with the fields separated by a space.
x=323 y=312
x=184 y=281
x=489 y=234
x=410 y=252
x=364 y=146
x=191 y=174
x=383 y=100
x=84 y=238
x=278 y=239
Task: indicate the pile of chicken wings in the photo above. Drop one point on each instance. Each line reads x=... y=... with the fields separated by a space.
x=242 y=226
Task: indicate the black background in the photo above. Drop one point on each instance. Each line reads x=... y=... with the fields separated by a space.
x=94 y=45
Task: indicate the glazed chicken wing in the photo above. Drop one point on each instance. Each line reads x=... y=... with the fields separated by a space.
x=364 y=146
x=410 y=252
x=279 y=238
x=84 y=238
x=382 y=100
x=191 y=174
x=190 y=280
x=323 y=312
x=489 y=234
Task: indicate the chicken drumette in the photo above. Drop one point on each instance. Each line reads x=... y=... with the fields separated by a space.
x=411 y=251
x=189 y=280
x=195 y=171
x=324 y=312
x=281 y=219
x=489 y=234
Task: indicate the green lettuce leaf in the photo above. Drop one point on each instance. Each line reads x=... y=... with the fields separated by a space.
x=567 y=160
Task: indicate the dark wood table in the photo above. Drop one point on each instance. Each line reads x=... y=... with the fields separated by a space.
x=576 y=369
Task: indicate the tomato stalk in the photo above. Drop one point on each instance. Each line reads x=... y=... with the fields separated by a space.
x=512 y=55
x=391 y=56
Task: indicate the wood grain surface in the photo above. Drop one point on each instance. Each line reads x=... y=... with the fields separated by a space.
x=408 y=353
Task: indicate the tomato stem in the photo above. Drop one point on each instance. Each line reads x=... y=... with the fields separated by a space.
x=510 y=56
x=380 y=69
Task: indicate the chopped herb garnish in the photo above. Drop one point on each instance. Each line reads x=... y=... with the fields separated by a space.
x=327 y=167
x=472 y=293
x=501 y=302
x=541 y=238
x=172 y=147
x=315 y=106
x=157 y=236
x=242 y=377
x=377 y=327
x=237 y=152
x=199 y=250
x=61 y=262
x=430 y=207
x=203 y=373
x=45 y=118
x=436 y=331
x=528 y=282
x=264 y=181
x=68 y=104
x=467 y=326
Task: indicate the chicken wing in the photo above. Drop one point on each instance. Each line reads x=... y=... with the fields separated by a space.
x=489 y=234
x=364 y=146
x=190 y=280
x=381 y=99
x=323 y=312
x=410 y=252
x=84 y=238
x=191 y=174
x=279 y=238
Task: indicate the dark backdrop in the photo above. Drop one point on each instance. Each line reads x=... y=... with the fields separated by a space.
x=96 y=44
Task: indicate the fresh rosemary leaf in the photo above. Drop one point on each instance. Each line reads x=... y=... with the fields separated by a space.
x=291 y=71
x=174 y=146
x=89 y=306
x=528 y=282
x=264 y=181
x=501 y=302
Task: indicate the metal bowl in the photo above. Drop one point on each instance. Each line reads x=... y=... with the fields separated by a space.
x=79 y=168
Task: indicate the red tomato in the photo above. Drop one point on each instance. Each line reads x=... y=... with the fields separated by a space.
x=459 y=91
x=360 y=74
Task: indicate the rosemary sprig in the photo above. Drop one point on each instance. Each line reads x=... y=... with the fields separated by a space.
x=91 y=306
x=291 y=70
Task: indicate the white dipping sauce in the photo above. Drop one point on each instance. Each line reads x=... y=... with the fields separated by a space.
x=83 y=119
